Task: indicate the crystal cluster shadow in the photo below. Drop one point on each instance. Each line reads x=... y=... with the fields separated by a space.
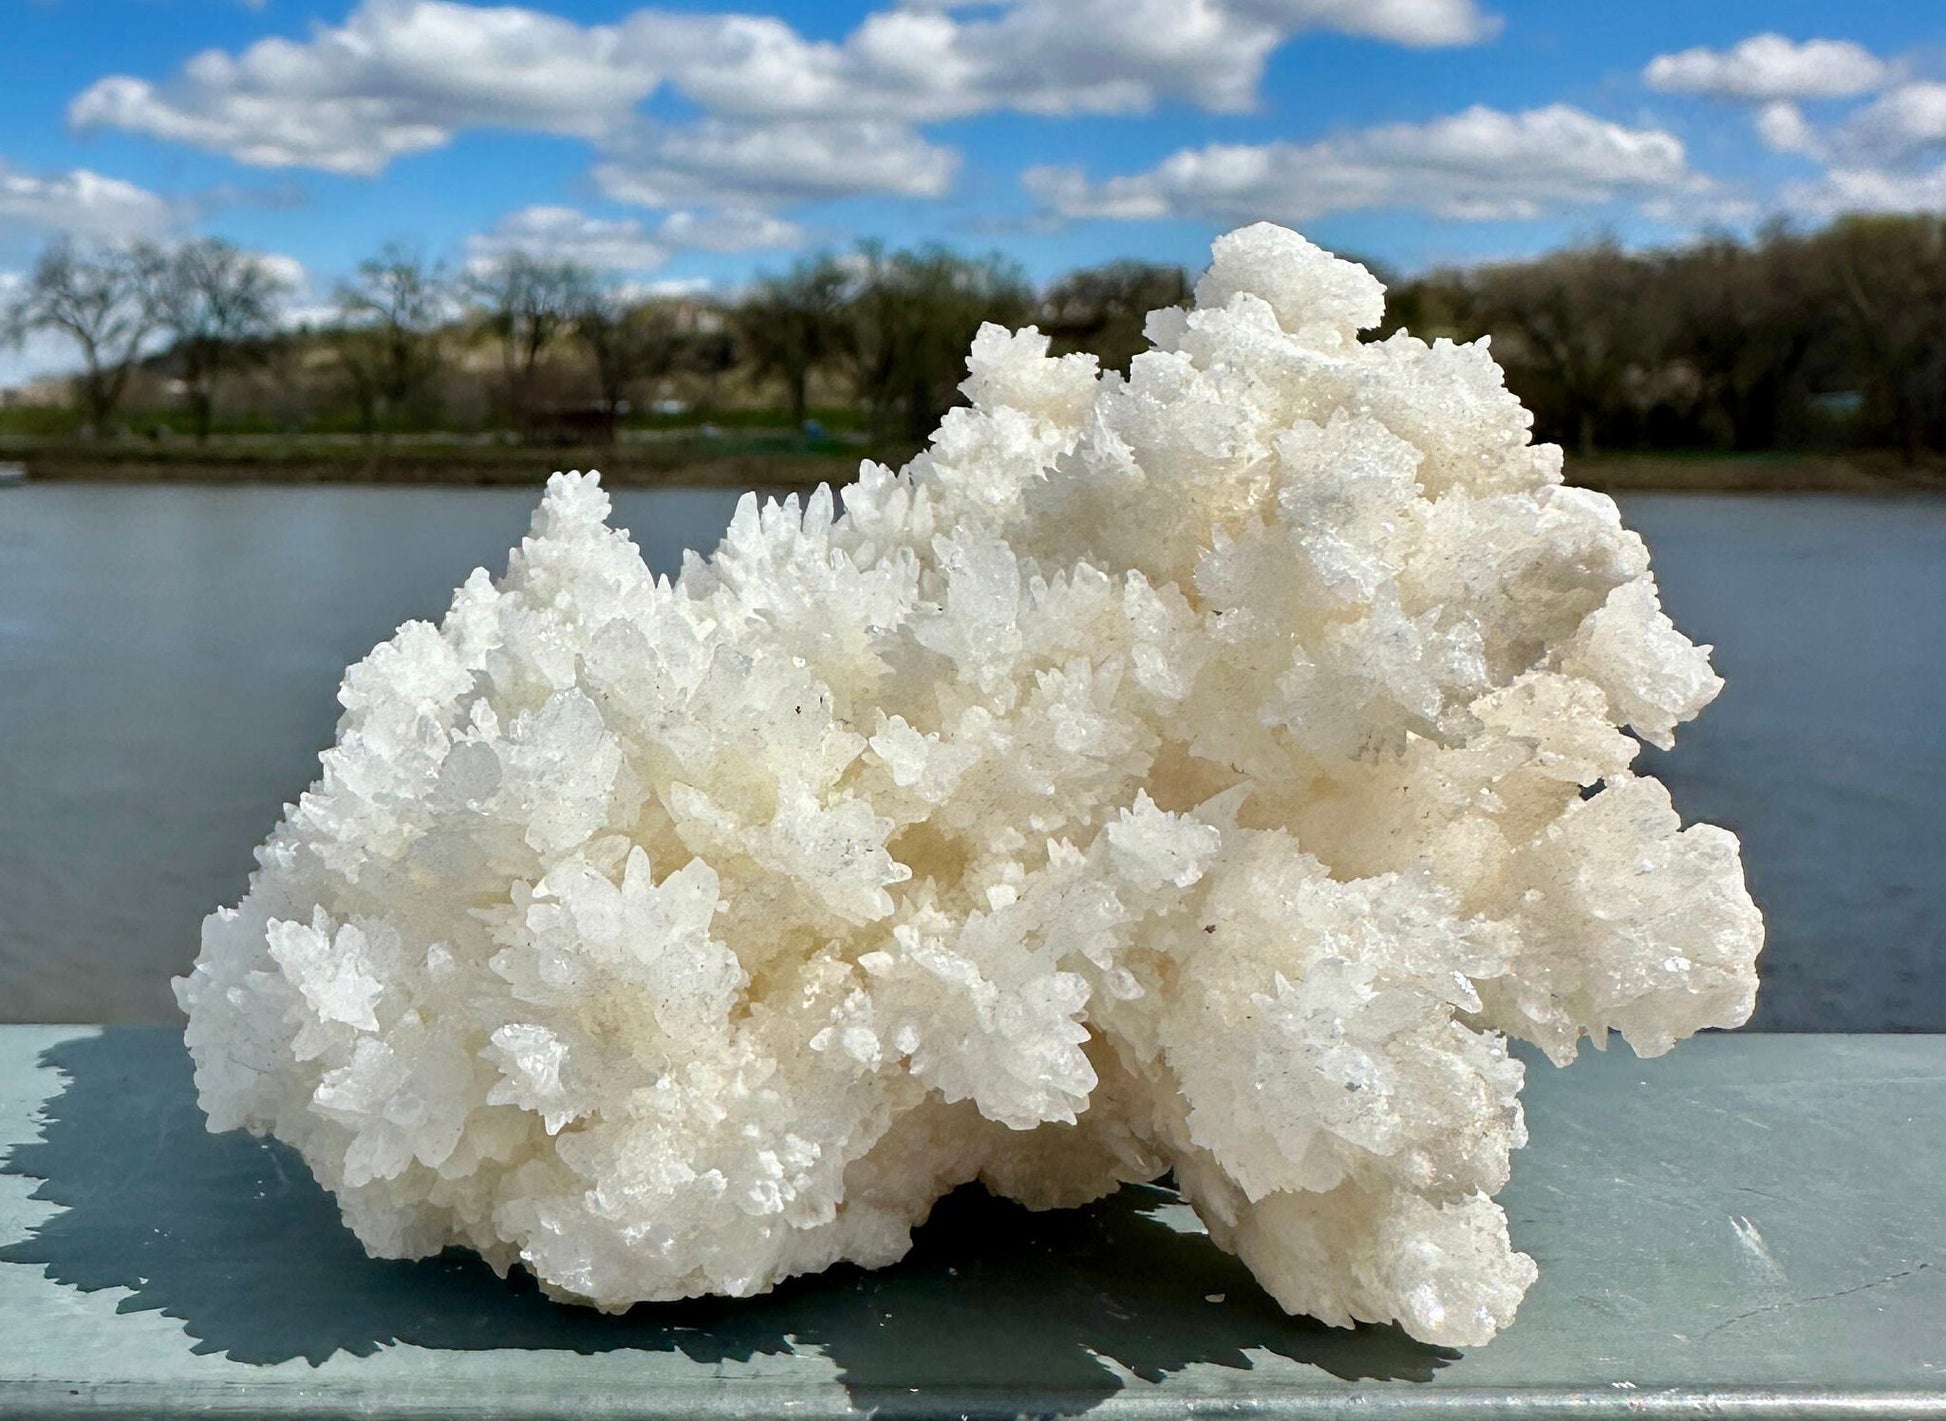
x=231 y=1236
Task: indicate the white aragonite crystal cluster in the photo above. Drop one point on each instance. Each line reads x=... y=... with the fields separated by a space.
x=1206 y=771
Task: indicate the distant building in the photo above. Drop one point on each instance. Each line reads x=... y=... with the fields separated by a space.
x=36 y=393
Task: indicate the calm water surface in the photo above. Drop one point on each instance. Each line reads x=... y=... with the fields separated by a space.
x=169 y=659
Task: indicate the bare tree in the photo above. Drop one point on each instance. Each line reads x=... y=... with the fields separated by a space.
x=1578 y=320
x=628 y=342
x=795 y=324
x=387 y=337
x=1741 y=319
x=106 y=302
x=1890 y=274
x=219 y=305
x=914 y=315
x=708 y=349
x=529 y=303
x=1439 y=303
x=1102 y=310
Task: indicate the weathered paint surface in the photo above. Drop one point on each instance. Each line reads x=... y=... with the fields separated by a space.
x=1752 y=1225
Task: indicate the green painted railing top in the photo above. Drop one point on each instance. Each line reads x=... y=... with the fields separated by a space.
x=1751 y=1225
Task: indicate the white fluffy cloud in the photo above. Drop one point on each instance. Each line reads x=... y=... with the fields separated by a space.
x=1875 y=155
x=307 y=301
x=1420 y=23
x=287 y=271
x=82 y=203
x=1784 y=129
x=627 y=244
x=668 y=286
x=1479 y=164
x=1769 y=67
x=398 y=77
x=622 y=244
x=921 y=62
x=734 y=230
x=786 y=116
x=1904 y=125
x=755 y=164
x=1847 y=189
x=1885 y=156
x=912 y=64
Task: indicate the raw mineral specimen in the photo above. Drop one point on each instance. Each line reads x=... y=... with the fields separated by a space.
x=1206 y=771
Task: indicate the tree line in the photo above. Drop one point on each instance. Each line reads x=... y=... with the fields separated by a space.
x=1786 y=339
x=1791 y=339
x=212 y=301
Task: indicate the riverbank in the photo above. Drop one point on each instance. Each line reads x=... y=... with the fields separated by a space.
x=739 y=459
x=1872 y=471
x=777 y=459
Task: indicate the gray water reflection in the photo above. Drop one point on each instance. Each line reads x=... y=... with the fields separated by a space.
x=169 y=658
x=1827 y=748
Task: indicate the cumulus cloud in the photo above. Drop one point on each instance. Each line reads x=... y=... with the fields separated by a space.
x=404 y=76
x=306 y=301
x=1885 y=156
x=1849 y=189
x=923 y=62
x=1780 y=76
x=626 y=244
x=287 y=271
x=398 y=77
x=1769 y=67
x=1904 y=125
x=744 y=230
x=1783 y=128
x=620 y=244
x=1419 y=23
x=758 y=164
x=668 y=286
x=922 y=65
x=1479 y=164
x=82 y=203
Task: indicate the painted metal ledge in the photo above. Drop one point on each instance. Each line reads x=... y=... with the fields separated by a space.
x=1751 y=1227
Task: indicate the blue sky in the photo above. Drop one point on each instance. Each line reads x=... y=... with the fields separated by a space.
x=694 y=142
